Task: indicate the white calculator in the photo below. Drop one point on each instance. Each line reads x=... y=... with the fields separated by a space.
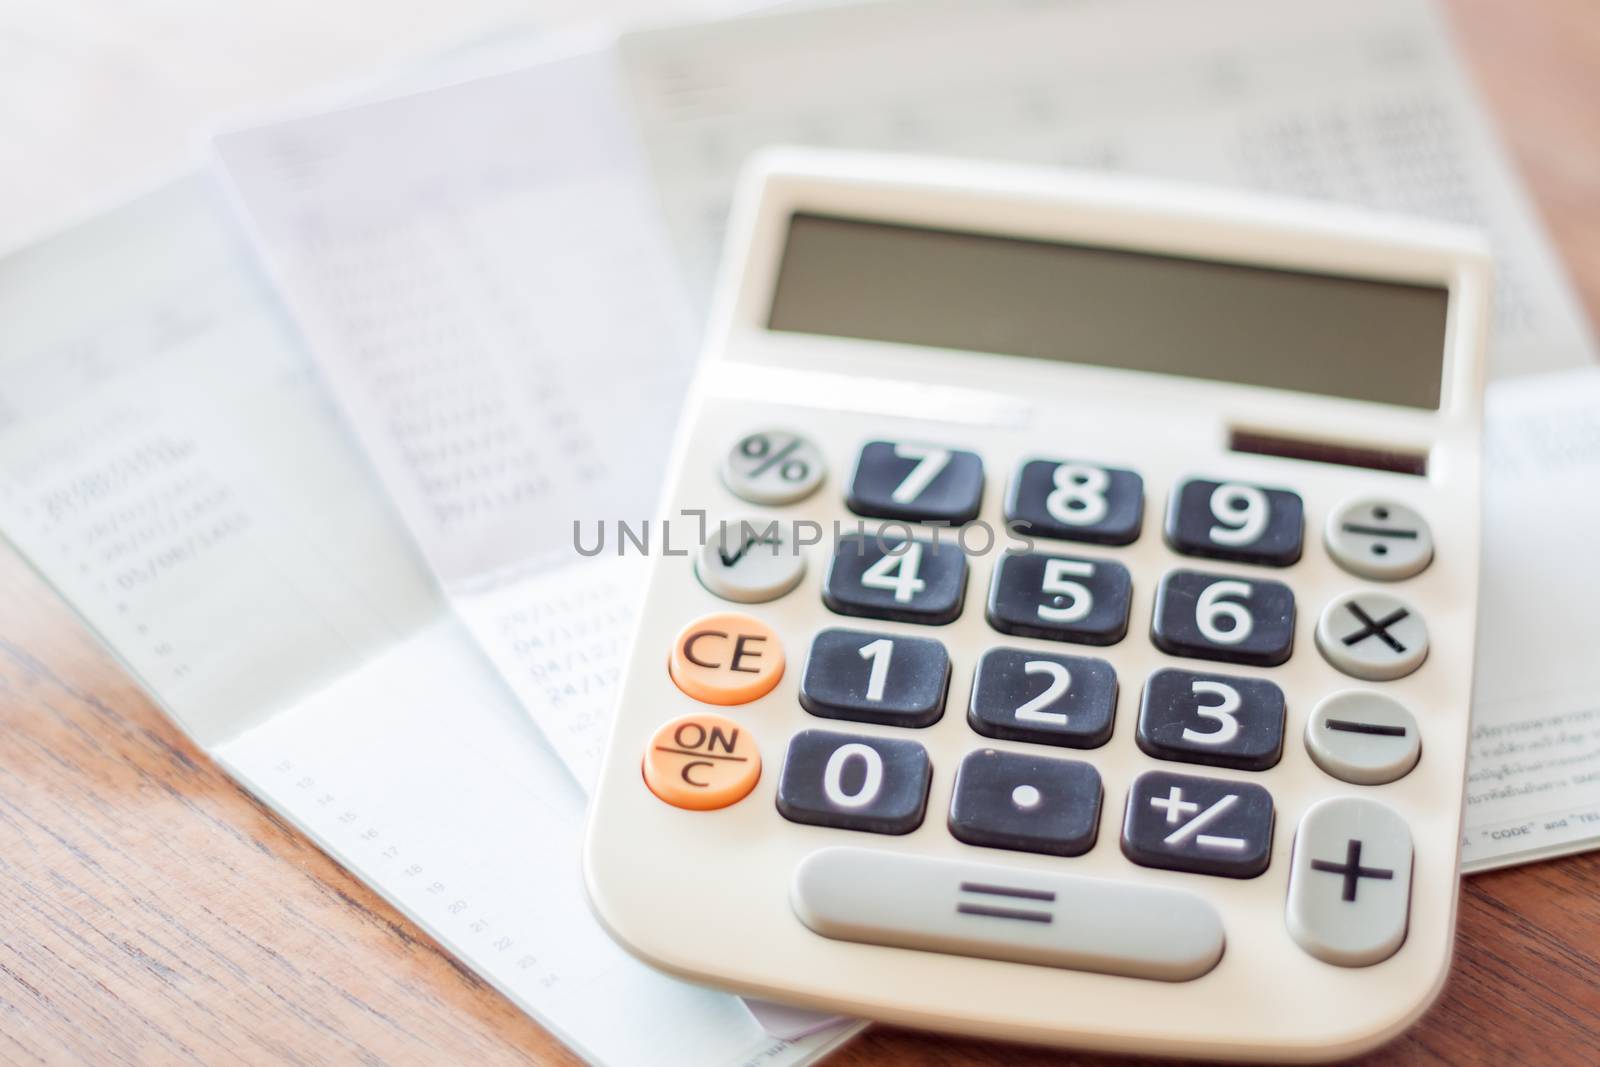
x=1076 y=640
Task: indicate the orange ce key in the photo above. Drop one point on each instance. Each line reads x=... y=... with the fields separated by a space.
x=726 y=658
x=702 y=762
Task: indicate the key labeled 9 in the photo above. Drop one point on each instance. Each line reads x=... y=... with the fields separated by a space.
x=1236 y=521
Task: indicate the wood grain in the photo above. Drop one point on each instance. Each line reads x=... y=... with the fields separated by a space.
x=151 y=912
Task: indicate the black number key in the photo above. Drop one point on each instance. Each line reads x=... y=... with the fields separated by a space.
x=875 y=784
x=1203 y=825
x=882 y=678
x=1077 y=502
x=916 y=580
x=916 y=482
x=1233 y=520
x=1234 y=620
x=1213 y=719
x=1026 y=803
x=1049 y=699
x=1060 y=598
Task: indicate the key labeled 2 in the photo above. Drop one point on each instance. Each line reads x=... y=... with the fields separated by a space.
x=916 y=580
x=1219 y=617
x=871 y=677
x=1044 y=698
x=1203 y=825
x=916 y=482
x=1214 y=719
x=1060 y=598
x=849 y=782
x=1236 y=521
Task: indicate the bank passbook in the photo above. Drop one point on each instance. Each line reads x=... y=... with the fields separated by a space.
x=1078 y=646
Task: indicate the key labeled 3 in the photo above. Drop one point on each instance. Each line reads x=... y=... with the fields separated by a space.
x=726 y=658
x=1215 y=719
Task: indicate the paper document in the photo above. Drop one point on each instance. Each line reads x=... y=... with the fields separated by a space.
x=1362 y=101
x=1533 y=788
x=483 y=277
x=171 y=463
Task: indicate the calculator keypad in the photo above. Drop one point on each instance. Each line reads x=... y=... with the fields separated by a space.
x=1060 y=598
x=916 y=482
x=1026 y=803
x=1203 y=825
x=917 y=580
x=1219 y=617
x=1076 y=502
x=1215 y=719
x=1236 y=521
x=1043 y=697
x=872 y=677
x=849 y=782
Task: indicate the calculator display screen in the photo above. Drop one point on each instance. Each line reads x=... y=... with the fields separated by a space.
x=1313 y=333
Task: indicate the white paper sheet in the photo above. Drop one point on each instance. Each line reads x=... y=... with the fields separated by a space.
x=483 y=277
x=171 y=463
x=1362 y=101
x=1533 y=788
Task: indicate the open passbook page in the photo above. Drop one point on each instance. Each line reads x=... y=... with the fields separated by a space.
x=488 y=290
x=1533 y=788
x=171 y=463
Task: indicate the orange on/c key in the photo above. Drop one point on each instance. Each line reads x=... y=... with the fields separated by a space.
x=726 y=658
x=702 y=762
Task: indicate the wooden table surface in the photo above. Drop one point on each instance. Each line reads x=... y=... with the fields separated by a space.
x=152 y=912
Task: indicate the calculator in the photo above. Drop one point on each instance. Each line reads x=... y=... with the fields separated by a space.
x=1063 y=626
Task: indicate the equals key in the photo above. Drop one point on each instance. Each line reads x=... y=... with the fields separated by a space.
x=1379 y=539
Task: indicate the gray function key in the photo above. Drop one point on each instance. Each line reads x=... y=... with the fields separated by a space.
x=773 y=467
x=749 y=560
x=1374 y=636
x=1350 y=882
x=1378 y=539
x=1002 y=913
x=1363 y=737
